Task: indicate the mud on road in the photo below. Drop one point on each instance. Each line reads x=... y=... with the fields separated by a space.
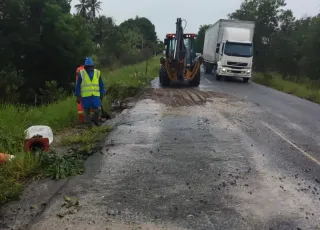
x=191 y=159
x=180 y=96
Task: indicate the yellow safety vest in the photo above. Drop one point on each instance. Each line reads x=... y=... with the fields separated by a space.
x=90 y=88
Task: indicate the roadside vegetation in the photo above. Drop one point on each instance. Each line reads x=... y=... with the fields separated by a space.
x=289 y=47
x=120 y=83
x=36 y=88
x=303 y=88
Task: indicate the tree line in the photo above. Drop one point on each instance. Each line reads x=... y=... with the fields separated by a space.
x=42 y=44
x=286 y=45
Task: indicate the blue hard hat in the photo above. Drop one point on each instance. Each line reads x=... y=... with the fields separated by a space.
x=88 y=62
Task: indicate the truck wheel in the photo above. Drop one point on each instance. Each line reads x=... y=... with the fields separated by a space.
x=245 y=79
x=218 y=77
x=163 y=77
x=196 y=80
x=206 y=68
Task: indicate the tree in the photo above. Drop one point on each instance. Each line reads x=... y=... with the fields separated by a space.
x=95 y=7
x=268 y=15
x=41 y=45
x=200 y=38
x=103 y=28
x=160 y=47
x=144 y=26
x=82 y=8
x=38 y=40
x=286 y=45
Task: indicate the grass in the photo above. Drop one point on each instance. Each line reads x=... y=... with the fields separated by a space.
x=304 y=89
x=86 y=137
x=13 y=174
x=120 y=83
x=127 y=81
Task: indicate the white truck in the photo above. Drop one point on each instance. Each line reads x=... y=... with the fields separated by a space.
x=228 y=49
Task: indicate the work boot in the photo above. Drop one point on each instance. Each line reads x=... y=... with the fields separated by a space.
x=97 y=123
x=96 y=116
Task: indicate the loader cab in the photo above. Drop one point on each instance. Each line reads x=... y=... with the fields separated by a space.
x=189 y=44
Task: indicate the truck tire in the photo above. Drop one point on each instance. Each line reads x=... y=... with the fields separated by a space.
x=205 y=67
x=163 y=77
x=208 y=68
x=218 y=77
x=245 y=79
x=196 y=80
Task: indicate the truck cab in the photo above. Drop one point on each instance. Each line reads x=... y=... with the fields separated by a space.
x=234 y=54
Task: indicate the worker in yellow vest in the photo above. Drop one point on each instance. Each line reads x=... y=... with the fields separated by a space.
x=90 y=91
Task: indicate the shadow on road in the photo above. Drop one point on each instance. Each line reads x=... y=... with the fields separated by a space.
x=229 y=79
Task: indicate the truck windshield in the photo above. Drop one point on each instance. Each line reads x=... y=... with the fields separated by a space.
x=238 y=49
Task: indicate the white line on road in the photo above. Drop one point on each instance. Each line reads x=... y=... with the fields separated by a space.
x=292 y=144
x=207 y=80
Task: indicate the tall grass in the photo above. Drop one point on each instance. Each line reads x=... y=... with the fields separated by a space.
x=15 y=119
x=305 y=89
x=120 y=83
x=127 y=81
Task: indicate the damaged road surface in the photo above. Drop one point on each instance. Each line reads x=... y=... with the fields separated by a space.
x=189 y=158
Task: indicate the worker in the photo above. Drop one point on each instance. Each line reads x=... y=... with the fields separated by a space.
x=90 y=91
x=79 y=69
x=79 y=105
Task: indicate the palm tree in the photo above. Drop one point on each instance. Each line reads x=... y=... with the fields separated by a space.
x=82 y=8
x=95 y=6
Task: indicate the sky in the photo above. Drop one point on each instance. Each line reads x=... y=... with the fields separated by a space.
x=164 y=13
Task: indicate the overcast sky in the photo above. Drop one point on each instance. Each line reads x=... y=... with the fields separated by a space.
x=163 y=13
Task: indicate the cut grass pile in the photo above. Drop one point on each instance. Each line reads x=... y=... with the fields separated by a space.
x=306 y=89
x=120 y=83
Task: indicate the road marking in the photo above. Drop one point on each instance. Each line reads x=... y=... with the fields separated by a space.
x=292 y=144
x=208 y=80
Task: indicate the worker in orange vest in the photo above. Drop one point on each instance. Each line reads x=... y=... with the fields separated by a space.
x=79 y=105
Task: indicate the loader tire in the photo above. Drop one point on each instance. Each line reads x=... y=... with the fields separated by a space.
x=163 y=77
x=196 y=80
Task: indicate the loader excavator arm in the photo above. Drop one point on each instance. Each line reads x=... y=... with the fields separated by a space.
x=180 y=51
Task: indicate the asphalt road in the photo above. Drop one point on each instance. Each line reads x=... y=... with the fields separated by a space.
x=226 y=155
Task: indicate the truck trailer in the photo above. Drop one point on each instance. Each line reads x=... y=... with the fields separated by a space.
x=228 y=49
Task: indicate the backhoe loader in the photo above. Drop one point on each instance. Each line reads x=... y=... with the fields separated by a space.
x=180 y=62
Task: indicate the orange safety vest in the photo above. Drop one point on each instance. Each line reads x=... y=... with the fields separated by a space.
x=78 y=71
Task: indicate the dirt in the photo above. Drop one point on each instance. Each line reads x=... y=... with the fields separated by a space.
x=181 y=97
